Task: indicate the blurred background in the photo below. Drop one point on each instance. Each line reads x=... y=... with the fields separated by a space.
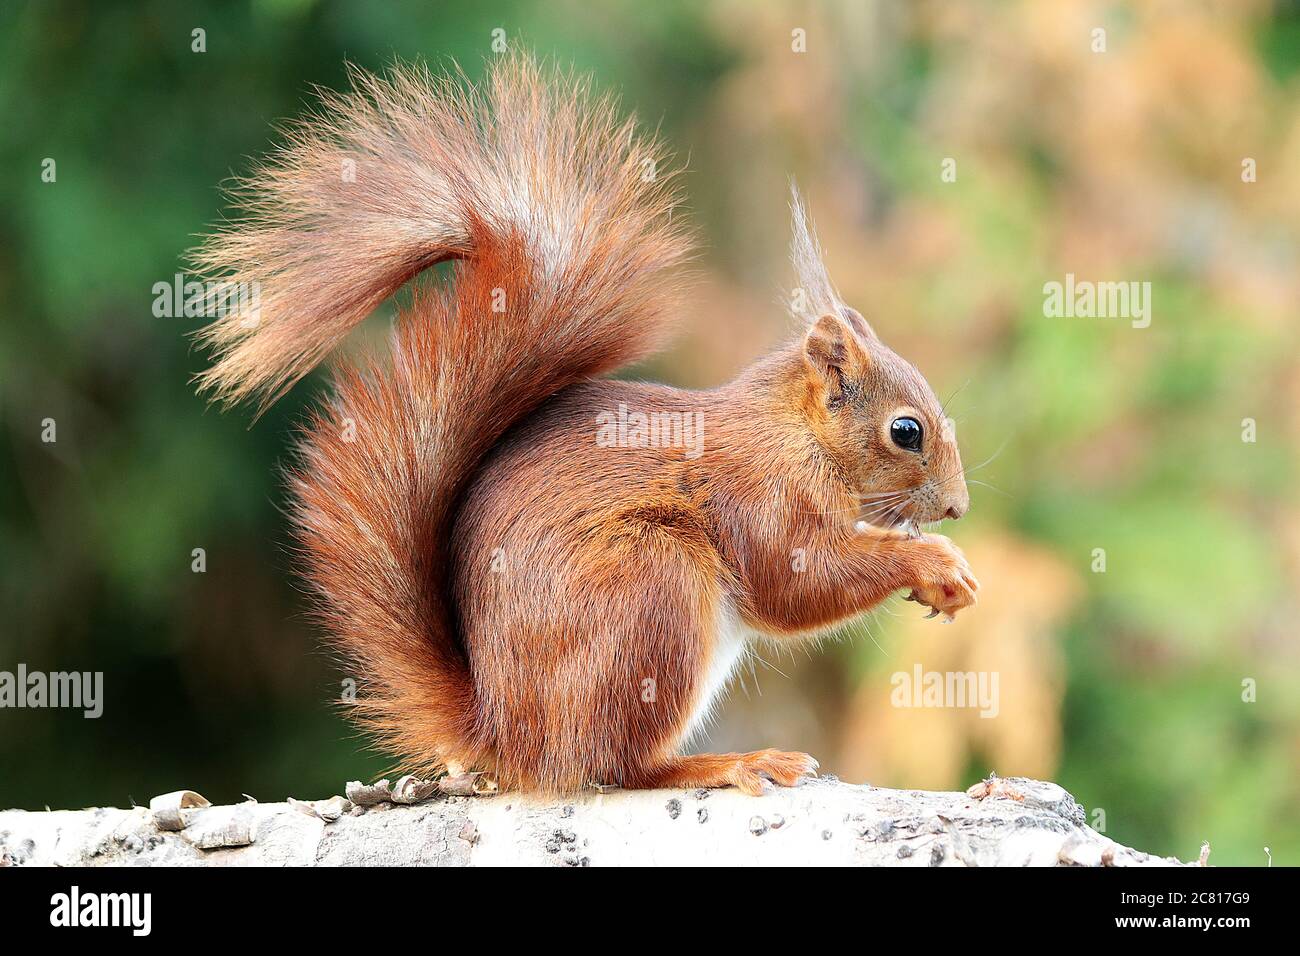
x=1164 y=691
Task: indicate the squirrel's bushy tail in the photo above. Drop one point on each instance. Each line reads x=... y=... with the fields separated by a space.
x=558 y=213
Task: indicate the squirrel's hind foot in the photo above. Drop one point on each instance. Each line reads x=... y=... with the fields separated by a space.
x=753 y=773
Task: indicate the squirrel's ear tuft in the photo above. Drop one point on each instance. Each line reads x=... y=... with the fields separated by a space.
x=814 y=293
x=836 y=356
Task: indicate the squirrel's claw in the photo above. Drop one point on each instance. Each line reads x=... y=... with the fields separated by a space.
x=945 y=583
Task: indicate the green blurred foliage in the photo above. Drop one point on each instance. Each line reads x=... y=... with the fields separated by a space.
x=1098 y=434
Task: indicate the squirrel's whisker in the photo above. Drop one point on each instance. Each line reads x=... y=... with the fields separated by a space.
x=985 y=484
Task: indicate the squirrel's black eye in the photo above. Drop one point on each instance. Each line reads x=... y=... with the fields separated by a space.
x=906 y=433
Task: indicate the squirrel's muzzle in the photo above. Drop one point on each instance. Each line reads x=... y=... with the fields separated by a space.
x=958 y=500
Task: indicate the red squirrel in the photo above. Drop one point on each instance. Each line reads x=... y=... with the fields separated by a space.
x=516 y=595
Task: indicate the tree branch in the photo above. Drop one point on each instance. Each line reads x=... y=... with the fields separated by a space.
x=997 y=822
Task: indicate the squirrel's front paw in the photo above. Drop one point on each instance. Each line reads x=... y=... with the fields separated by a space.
x=943 y=579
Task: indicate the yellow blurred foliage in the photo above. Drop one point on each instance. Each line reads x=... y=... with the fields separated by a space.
x=1025 y=597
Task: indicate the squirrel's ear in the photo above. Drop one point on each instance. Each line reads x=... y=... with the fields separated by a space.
x=859 y=325
x=836 y=356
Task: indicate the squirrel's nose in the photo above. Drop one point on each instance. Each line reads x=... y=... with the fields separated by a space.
x=959 y=501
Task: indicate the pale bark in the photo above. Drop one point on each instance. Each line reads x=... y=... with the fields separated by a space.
x=1010 y=822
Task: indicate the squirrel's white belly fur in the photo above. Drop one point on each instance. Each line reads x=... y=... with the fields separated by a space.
x=731 y=637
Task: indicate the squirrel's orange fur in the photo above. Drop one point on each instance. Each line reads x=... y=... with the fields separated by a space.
x=516 y=596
